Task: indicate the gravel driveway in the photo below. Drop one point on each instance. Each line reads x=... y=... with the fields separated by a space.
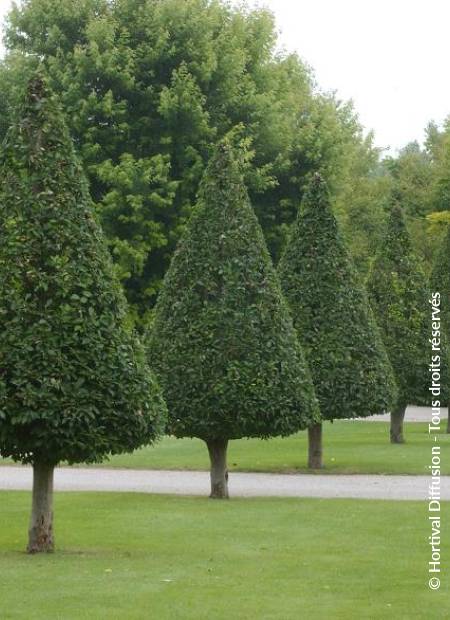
x=413 y=414
x=241 y=484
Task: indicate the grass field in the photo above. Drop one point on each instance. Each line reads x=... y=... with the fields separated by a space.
x=133 y=557
x=349 y=447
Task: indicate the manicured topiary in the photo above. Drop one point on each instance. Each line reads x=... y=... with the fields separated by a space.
x=223 y=343
x=399 y=295
x=334 y=322
x=440 y=283
x=74 y=382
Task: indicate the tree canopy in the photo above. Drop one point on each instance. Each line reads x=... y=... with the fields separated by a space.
x=74 y=382
x=336 y=328
x=399 y=295
x=223 y=343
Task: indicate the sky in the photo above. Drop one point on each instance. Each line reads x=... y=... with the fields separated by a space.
x=390 y=57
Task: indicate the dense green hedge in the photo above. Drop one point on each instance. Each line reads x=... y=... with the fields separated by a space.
x=399 y=295
x=223 y=343
x=334 y=322
x=74 y=384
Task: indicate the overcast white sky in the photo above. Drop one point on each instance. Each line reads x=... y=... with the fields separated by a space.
x=390 y=56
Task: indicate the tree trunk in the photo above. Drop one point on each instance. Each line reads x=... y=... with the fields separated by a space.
x=448 y=419
x=315 y=447
x=40 y=534
x=217 y=449
x=397 y=417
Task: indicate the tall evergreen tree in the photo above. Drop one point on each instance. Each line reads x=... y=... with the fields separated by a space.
x=335 y=325
x=74 y=383
x=398 y=292
x=223 y=343
x=440 y=282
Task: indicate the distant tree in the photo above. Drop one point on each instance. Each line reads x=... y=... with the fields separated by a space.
x=440 y=283
x=439 y=147
x=398 y=291
x=335 y=325
x=413 y=180
x=360 y=203
x=74 y=382
x=223 y=344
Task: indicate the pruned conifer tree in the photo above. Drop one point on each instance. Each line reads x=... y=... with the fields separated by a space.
x=74 y=381
x=335 y=325
x=399 y=294
x=223 y=343
x=440 y=283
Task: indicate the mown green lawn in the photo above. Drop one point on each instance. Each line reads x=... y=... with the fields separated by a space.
x=131 y=556
x=349 y=447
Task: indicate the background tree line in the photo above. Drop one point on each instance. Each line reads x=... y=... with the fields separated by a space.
x=149 y=87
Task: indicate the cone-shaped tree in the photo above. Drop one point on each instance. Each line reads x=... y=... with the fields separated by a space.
x=398 y=291
x=74 y=382
x=223 y=343
x=334 y=322
x=440 y=283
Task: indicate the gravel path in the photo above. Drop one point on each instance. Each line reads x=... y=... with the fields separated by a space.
x=413 y=414
x=241 y=484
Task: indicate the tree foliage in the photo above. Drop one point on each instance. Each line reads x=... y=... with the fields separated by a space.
x=149 y=86
x=413 y=179
x=420 y=183
x=335 y=325
x=399 y=294
x=223 y=343
x=360 y=198
x=440 y=277
x=74 y=382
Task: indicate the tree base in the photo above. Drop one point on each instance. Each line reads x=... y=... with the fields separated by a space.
x=41 y=539
x=217 y=449
x=40 y=533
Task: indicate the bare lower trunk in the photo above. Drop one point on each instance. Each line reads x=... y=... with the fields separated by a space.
x=217 y=449
x=40 y=534
x=397 y=417
x=448 y=419
x=315 y=447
